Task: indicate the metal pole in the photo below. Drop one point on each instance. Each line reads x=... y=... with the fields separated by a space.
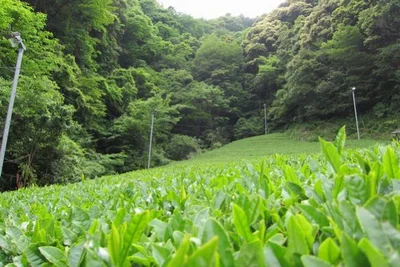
x=10 y=108
x=265 y=119
x=151 y=139
x=355 y=111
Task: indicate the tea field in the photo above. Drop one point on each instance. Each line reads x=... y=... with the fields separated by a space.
x=336 y=208
x=257 y=147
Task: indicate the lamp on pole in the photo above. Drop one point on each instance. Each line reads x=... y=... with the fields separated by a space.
x=353 y=89
x=16 y=41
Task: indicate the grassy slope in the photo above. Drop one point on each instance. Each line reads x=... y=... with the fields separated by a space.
x=370 y=127
x=261 y=146
x=204 y=197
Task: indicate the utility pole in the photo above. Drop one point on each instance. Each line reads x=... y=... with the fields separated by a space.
x=355 y=111
x=265 y=119
x=151 y=139
x=15 y=41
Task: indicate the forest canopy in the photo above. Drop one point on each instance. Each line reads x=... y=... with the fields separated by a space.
x=96 y=70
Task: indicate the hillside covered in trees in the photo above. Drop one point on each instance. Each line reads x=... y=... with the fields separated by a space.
x=96 y=70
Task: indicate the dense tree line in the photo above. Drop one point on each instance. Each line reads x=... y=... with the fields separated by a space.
x=96 y=70
x=306 y=55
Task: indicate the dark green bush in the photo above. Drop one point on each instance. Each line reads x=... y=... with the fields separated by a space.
x=249 y=127
x=182 y=147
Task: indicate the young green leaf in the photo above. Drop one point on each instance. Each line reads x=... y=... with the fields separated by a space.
x=291 y=175
x=340 y=140
x=54 y=255
x=119 y=217
x=362 y=161
x=205 y=255
x=180 y=257
x=251 y=254
x=296 y=237
x=251 y=206
x=200 y=220
x=277 y=239
x=80 y=218
x=378 y=169
x=275 y=255
x=296 y=191
x=391 y=163
x=383 y=210
x=160 y=228
x=34 y=257
x=331 y=154
x=219 y=199
x=374 y=231
x=375 y=257
x=161 y=254
x=241 y=223
x=371 y=182
x=339 y=185
x=329 y=251
x=351 y=253
x=349 y=219
x=393 y=234
x=214 y=228
x=43 y=229
x=356 y=189
x=134 y=231
x=312 y=261
x=178 y=237
x=307 y=228
x=314 y=215
x=114 y=245
x=76 y=255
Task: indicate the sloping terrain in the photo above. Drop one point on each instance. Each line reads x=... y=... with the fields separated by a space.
x=264 y=145
x=336 y=208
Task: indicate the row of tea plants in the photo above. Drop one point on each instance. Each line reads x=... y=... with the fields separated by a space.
x=336 y=208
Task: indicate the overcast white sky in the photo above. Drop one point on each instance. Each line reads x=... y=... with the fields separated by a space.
x=215 y=8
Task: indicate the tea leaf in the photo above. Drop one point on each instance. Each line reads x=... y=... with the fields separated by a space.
x=54 y=255
x=331 y=154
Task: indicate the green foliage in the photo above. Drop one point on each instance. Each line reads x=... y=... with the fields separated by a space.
x=216 y=58
x=203 y=112
x=93 y=73
x=74 y=25
x=268 y=145
x=95 y=70
x=44 y=50
x=323 y=49
x=38 y=108
x=225 y=214
x=182 y=147
x=249 y=127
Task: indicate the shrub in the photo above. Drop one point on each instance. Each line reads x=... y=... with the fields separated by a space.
x=249 y=127
x=158 y=157
x=75 y=161
x=182 y=147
